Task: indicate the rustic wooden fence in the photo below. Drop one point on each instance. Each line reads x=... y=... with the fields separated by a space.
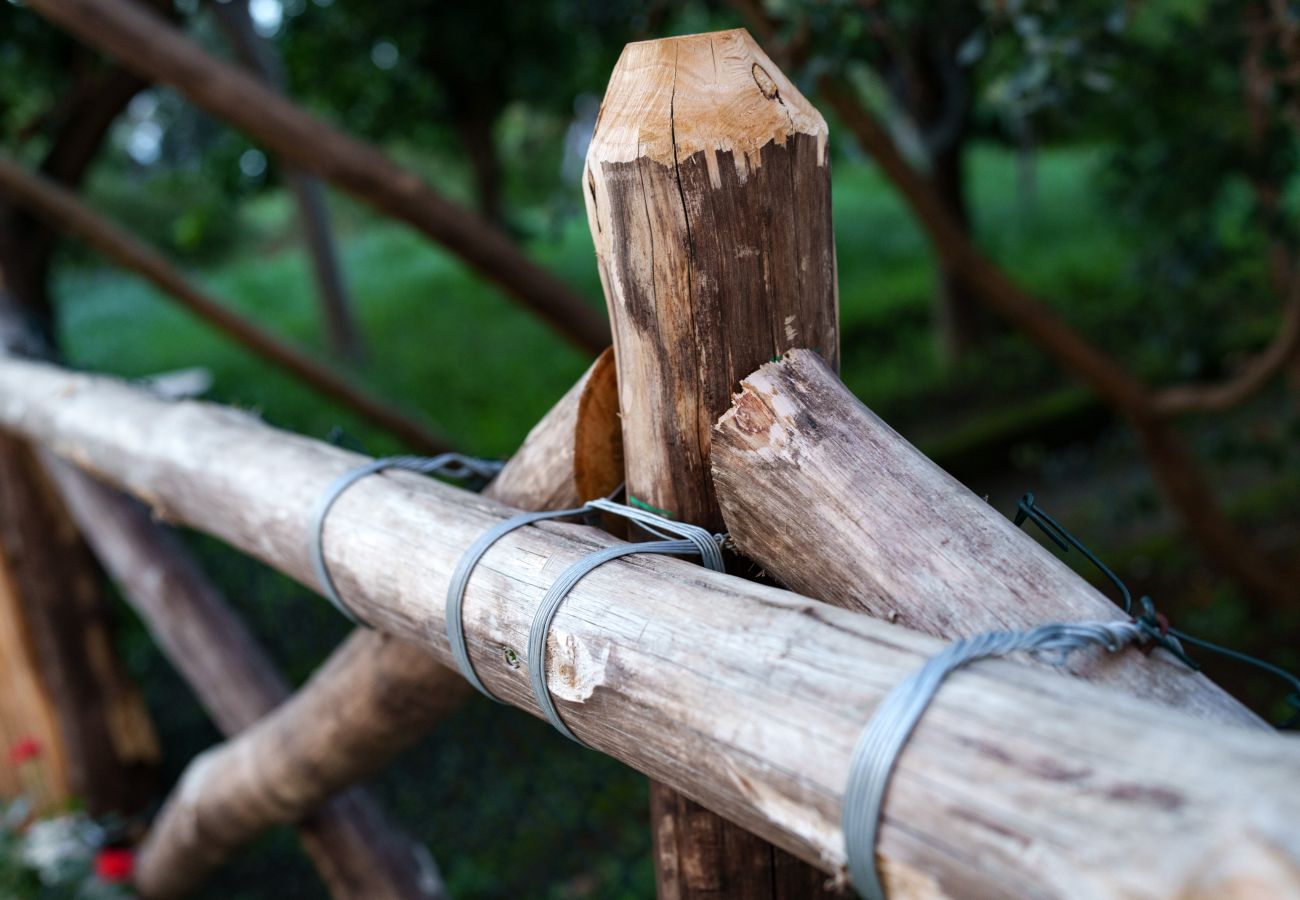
x=708 y=193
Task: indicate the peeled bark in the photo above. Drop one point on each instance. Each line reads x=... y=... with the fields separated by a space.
x=708 y=196
x=144 y=43
x=837 y=505
x=746 y=698
x=376 y=695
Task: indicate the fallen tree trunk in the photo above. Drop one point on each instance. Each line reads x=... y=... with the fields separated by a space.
x=64 y=211
x=835 y=503
x=376 y=695
x=356 y=850
x=746 y=698
x=147 y=45
x=700 y=138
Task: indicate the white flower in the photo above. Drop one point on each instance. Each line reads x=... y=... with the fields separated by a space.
x=57 y=848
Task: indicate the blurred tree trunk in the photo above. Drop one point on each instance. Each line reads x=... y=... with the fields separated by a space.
x=259 y=58
x=26 y=244
x=68 y=683
x=475 y=132
x=934 y=89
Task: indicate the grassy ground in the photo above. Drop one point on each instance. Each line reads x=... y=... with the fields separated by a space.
x=509 y=808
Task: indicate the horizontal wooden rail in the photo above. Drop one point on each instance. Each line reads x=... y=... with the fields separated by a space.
x=147 y=45
x=746 y=698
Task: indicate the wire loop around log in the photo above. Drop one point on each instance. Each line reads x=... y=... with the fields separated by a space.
x=448 y=465
x=676 y=539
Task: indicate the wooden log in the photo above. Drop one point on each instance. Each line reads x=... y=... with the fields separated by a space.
x=708 y=196
x=99 y=742
x=746 y=698
x=376 y=695
x=64 y=211
x=358 y=852
x=838 y=506
x=147 y=45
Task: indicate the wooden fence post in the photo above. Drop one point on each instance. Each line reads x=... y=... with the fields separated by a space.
x=708 y=194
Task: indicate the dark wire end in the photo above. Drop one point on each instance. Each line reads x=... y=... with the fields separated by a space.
x=1153 y=622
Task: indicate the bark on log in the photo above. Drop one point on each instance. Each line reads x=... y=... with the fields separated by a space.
x=64 y=211
x=144 y=43
x=358 y=852
x=708 y=195
x=746 y=698
x=106 y=752
x=376 y=695
x=837 y=505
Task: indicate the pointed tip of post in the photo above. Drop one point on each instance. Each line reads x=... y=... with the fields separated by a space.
x=673 y=97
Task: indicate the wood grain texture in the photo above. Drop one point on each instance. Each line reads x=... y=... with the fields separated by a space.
x=373 y=698
x=107 y=750
x=356 y=849
x=708 y=197
x=836 y=504
x=746 y=698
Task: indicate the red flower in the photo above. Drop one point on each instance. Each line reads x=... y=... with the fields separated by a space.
x=27 y=749
x=114 y=865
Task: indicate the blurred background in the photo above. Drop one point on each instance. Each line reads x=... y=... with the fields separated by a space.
x=1129 y=166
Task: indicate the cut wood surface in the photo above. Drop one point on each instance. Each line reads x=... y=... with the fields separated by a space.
x=358 y=852
x=376 y=695
x=64 y=211
x=708 y=196
x=838 y=506
x=744 y=697
x=146 y=44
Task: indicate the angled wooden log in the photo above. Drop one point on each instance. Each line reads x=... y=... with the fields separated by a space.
x=64 y=211
x=376 y=695
x=144 y=43
x=708 y=195
x=358 y=852
x=838 y=506
x=747 y=698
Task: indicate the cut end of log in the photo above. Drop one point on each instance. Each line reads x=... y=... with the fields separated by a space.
x=716 y=93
